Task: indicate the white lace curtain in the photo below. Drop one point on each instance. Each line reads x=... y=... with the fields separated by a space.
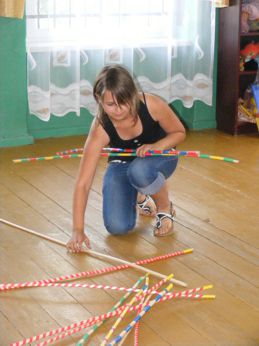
x=168 y=45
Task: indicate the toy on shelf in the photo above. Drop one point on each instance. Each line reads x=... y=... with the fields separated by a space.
x=249 y=57
x=255 y=90
x=248 y=107
x=250 y=16
x=247 y=110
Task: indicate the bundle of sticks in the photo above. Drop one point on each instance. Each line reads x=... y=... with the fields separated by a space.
x=77 y=153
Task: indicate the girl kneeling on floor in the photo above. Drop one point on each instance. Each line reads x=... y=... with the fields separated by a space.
x=130 y=119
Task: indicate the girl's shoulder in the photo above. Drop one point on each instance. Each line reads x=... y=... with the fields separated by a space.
x=151 y=99
x=155 y=104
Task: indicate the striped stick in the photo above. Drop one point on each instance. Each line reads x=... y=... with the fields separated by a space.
x=147 y=154
x=70 y=151
x=173 y=153
x=46 y=158
x=190 y=293
x=120 y=150
x=120 y=318
x=76 y=285
x=78 y=329
x=221 y=158
x=154 y=151
x=186 y=154
x=142 y=313
x=80 y=285
x=143 y=301
x=77 y=155
x=94 y=253
x=119 y=303
x=9 y=286
x=191 y=153
x=142 y=305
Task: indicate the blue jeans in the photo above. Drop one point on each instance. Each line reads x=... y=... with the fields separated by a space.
x=123 y=181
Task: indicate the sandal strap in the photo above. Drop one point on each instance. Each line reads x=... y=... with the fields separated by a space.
x=143 y=205
x=161 y=216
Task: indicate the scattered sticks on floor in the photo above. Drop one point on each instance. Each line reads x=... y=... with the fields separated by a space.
x=140 y=303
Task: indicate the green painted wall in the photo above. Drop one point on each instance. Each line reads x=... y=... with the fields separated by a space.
x=13 y=95
x=68 y=125
x=18 y=127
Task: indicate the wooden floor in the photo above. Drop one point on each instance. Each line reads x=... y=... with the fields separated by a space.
x=217 y=215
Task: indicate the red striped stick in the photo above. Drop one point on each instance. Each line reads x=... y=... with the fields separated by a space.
x=120 y=318
x=190 y=293
x=70 y=151
x=75 y=285
x=119 y=303
x=143 y=301
x=91 y=252
x=9 y=286
x=104 y=287
x=84 y=326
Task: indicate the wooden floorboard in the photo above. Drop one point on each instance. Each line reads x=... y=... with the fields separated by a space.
x=217 y=216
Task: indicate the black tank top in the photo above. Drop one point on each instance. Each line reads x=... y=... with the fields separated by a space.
x=151 y=132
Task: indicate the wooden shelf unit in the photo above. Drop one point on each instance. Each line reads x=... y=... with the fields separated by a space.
x=231 y=82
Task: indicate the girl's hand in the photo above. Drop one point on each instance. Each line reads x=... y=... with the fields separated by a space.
x=76 y=242
x=141 y=151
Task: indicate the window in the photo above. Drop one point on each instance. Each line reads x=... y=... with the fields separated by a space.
x=167 y=44
x=94 y=23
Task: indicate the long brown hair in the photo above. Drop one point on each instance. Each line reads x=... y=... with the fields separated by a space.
x=117 y=80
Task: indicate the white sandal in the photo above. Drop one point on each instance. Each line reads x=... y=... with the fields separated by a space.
x=147 y=207
x=159 y=220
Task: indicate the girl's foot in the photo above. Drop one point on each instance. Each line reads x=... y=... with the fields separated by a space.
x=165 y=223
x=146 y=206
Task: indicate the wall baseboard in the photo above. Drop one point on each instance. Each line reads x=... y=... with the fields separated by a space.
x=16 y=141
x=62 y=132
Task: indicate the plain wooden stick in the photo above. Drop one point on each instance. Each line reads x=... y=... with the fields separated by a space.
x=94 y=253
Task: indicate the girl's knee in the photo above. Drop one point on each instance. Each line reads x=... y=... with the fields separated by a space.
x=139 y=174
x=119 y=228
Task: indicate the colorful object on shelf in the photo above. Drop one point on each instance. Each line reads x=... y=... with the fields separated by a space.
x=255 y=89
x=247 y=110
x=249 y=57
x=250 y=51
x=249 y=16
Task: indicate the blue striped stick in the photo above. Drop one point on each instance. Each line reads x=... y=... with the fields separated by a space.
x=142 y=313
x=120 y=318
x=119 y=303
x=136 y=337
